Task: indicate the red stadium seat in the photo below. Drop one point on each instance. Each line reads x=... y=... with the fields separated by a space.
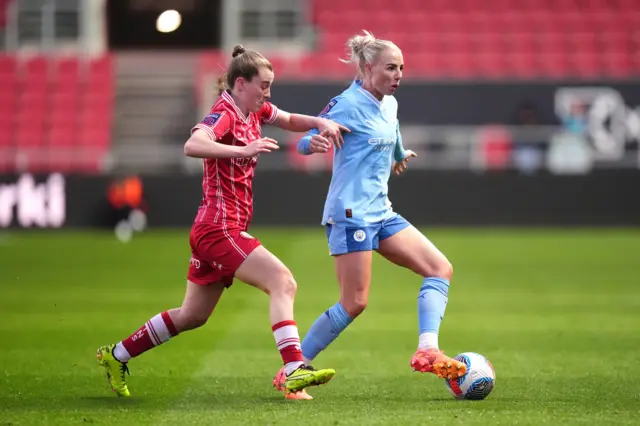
x=94 y=119
x=545 y=38
x=491 y=64
x=47 y=105
x=63 y=134
x=100 y=75
x=522 y=65
x=426 y=65
x=6 y=129
x=8 y=99
x=7 y=65
x=616 y=64
x=65 y=76
x=585 y=64
x=553 y=65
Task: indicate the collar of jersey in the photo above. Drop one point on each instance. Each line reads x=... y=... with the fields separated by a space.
x=367 y=94
x=229 y=99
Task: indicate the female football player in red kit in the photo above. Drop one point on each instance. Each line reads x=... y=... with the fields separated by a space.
x=229 y=140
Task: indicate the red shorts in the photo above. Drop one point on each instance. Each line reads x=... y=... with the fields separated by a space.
x=217 y=253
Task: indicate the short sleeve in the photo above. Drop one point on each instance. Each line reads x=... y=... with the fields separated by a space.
x=216 y=125
x=268 y=113
x=337 y=110
x=326 y=111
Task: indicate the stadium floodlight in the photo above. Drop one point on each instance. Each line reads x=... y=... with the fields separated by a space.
x=168 y=21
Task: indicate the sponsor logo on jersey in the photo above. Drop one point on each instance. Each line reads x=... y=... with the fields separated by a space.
x=382 y=144
x=246 y=235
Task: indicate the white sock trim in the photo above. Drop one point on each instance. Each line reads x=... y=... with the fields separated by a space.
x=121 y=353
x=290 y=367
x=158 y=330
x=428 y=341
x=286 y=336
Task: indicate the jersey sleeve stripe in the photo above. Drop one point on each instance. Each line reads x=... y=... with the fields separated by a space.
x=274 y=114
x=206 y=129
x=210 y=129
x=219 y=120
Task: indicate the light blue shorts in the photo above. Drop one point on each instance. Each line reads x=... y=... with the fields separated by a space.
x=346 y=239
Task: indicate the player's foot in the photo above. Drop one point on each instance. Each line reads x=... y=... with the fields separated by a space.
x=279 y=384
x=436 y=362
x=303 y=377
x=114 y=369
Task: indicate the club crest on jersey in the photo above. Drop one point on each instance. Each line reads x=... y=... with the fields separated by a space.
x=328 y=107
x=211 y=119
x=359 y=235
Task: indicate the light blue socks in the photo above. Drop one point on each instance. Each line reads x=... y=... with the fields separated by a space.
x=324 y=330
x=432 y=302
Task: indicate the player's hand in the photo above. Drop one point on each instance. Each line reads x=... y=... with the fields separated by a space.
x=400 y=166
x=259 y=146
x=319 y=144
x=332 y=131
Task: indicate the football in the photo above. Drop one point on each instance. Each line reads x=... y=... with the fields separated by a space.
x=479 y=380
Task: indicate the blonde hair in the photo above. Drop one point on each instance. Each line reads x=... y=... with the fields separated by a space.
x=364 y=49
x=245 y=64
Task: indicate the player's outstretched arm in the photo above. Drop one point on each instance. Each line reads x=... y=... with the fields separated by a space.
x=200 y=145
x=304 y=123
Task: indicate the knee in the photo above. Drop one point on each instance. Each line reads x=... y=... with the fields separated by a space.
x=284 y=284
x=355 y=305
x=443 y=269
x=190 y=320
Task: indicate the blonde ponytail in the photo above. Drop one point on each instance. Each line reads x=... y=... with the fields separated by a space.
x=364 y=49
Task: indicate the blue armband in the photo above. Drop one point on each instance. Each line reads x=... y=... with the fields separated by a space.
x=303 y=145
x=398 y=153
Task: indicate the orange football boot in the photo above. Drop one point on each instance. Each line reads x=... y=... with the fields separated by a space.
x=436 y=362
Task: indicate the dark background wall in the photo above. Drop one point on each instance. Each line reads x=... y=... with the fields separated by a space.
x=454 y=103
x=607 y=198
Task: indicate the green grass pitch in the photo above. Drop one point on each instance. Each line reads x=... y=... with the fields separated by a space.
x=556 y=311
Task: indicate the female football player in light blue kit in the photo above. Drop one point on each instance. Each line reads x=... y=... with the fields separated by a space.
x=358 y=216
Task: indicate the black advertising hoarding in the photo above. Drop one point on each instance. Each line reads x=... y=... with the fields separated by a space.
x=446 y=123
x=288 y=198
x=27 y=201
x=464 y=103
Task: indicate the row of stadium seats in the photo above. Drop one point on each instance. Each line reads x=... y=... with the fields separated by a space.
x=55 y=113
x=461 y=64
x=507 y=21
x=515 y=41
x=523 y=54
x=470 y=6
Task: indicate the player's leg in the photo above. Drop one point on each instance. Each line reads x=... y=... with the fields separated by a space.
x=405 y=246
x=263 y=270
x=352 y=250
x=199 y=302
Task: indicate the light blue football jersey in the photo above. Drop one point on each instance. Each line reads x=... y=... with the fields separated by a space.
x=358 y=194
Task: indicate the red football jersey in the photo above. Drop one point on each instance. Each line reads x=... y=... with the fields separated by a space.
x=227 y=182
